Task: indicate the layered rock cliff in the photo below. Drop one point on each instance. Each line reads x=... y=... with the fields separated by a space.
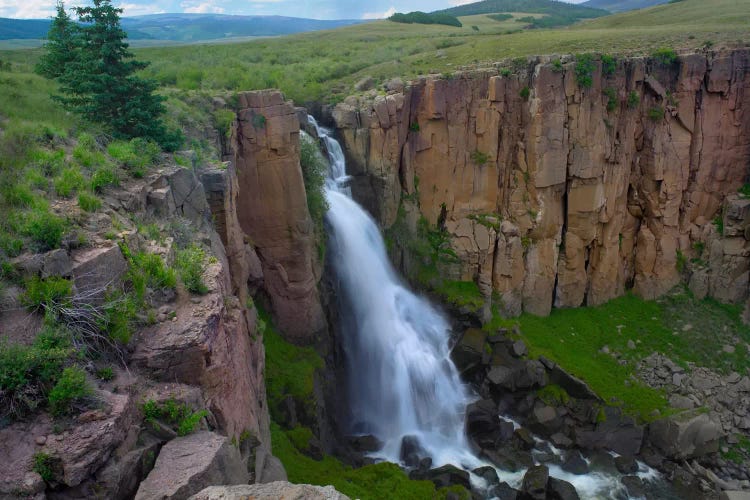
x=271 y=207
x=551 y=193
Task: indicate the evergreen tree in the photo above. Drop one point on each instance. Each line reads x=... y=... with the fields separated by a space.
x=99 y=81
x=61 y=45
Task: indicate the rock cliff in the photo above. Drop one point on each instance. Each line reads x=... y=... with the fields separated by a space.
x=555 y=194
x=271 y=207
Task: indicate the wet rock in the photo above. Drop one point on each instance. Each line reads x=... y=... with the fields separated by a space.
x=504 y=491
x=575 y=463
x=626 y=464
x=617 y=432
x=634 y=485
x=518 y=375
x=270 y=491
x=467 y=353
x=687 y=435
x=524 y=438
x=508 y=458
x=487 y=473
x=365 y=443
x=411 y=451
x=448 y=475
x=557 y=489
x=535 y=482
x=561 y=440
x=189 y=464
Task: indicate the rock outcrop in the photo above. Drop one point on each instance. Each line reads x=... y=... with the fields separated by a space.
x=271 y=208
x=270 y=491
x=554 y=194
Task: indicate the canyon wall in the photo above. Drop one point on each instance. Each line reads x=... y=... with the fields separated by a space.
x=271 y=209
x=553 y=194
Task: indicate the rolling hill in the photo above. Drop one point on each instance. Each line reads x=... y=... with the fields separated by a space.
x=550 y=7
x=622 y=5
x=184 y=27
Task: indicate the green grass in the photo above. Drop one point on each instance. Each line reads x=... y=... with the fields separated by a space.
x=290 y=369
x=461 y=294
x=71 y=388
x=191 y=264
x=574 y=339
x=378 y=481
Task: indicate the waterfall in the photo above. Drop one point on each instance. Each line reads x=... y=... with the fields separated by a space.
x=401 y=380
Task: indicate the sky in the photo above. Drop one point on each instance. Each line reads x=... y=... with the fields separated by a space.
x=316 y=9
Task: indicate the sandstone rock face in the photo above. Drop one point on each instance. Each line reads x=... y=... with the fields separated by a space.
x=189 y=464
x=270 y=491
x=594 y=197
x=271 y=208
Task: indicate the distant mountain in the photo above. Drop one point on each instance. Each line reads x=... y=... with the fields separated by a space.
x=550 y=7
x=184 y=27
x=622 y=5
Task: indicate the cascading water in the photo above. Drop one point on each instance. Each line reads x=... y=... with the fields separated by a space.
x=397 y=348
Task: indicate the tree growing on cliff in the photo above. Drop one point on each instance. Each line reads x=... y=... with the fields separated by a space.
x=97 y=75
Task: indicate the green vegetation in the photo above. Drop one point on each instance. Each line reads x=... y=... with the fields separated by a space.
x=97 y=74
x=738 y=452
x=425 y=18
x=611 y=98
x=633 y=99
x=656 y=114
x=89 y=202
x=665 y=56
x=180 y=417
x=71 y=389
x=584 y=70
x=479 y=157
x=744 y=191
x=146 y=271
x=290 y=370
x=525 y=92
x=43 y=465
x=105 y=374
x=462 y=294
x=314 y=173
x=191 y=264
x=28 y=373
x=574 y=338
x=44 y=229
x=609 y=64
x=47 y=294
x=136 y=155
x=500 y=17
x=371 y=482
x=548 y=7
x=553 y=395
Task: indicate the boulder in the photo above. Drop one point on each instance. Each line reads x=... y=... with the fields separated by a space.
x=57 y=263
x=535 y=482
x=735 y=495
x=686 y=435
x=574 y=386
x=617 y=432
x=504 y=491
x=448 y=475
x=467 y=353
x=487 y=473
x=626 y=464
x=557 y=489
x=634 y=486
x=519 y=375
x=189 y=464
x=98 y=267
x=365 y=443
x=86 y=446
x=270 y=491
x=411 y=451
x=575 y=463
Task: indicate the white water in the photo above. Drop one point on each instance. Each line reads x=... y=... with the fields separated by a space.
x=401 y=378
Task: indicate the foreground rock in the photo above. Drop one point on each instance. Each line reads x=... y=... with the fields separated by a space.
x=186 y=465
x=271 y=491
x=687 y=435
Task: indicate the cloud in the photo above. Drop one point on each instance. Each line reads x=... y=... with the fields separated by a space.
x=379 y=15
x=135 y=9
x=196 y=7
x=28 y=9
x=462 y=2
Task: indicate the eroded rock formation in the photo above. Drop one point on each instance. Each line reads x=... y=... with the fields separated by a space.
x=271 y=208
x=554 y=194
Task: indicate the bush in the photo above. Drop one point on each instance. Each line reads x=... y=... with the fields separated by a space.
x=609 y=64
x=500 y=17
x=190 y=263
x=43 y=465
x=69 y=181
x=611 y=98
x=633 y=99
x=102 y=177
x=180 y=416
x=135 y=155
x=656 y=114
x=584 y=70
x=148 y=270
x=525 y=93
x=480 y=158
x=418 y=17
x=45 y=229
x=665 y=56
x=314 y=174
x=70 y=390
x=105 y=374
x=48 y=294
x=89 y=202
x=28 y=372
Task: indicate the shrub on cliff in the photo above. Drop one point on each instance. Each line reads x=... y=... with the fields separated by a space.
x=314 y=173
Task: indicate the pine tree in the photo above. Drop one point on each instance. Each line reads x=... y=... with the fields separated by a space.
x=61 y=45
x=99 y=80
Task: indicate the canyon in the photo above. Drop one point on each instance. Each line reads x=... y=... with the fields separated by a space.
x=545 y=193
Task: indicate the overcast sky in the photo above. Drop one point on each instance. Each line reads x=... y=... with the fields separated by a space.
x=318 y=9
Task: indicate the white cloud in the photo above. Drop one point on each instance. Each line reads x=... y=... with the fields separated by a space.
x=196 y=7
x=379 y=15
x=134 y=9
x=28 y=9
x=461 y=2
